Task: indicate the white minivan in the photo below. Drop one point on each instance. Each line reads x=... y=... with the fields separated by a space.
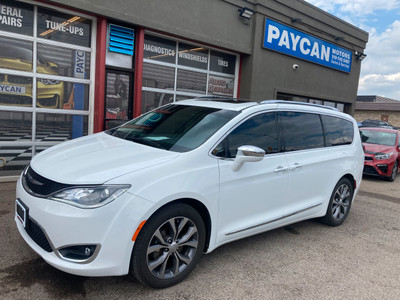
x=149 y=197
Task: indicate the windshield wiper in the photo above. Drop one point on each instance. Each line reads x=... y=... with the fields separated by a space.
x=146 y=142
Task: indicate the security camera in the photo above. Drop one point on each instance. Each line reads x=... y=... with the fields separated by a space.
x=295 y=67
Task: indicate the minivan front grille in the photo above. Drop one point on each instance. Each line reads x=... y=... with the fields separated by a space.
x=40 y=186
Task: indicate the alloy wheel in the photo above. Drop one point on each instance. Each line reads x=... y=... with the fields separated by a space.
x=172 y=247
x=341 y=202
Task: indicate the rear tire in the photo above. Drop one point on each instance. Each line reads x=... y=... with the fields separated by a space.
x=339 y=204
x=169 y=246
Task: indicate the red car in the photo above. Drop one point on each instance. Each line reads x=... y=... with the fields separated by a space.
x=381 y=147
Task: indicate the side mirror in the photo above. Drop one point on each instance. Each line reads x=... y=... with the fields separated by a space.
x=53 y=66
x=247 y=153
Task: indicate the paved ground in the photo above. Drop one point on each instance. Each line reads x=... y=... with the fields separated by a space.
x=358 y=260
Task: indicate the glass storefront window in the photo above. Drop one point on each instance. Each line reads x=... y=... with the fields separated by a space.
x=152 y=100
x=193 y=56
x=13 y=159
x=60 y=127
x=16 y=54
x=38 y=108
x=340 y=106
x=221 y=86
x=222 y=62
x=62 y=94
x=329 y=103
x=16 y=17
x=184 y=71
x=159 y=49
x=193 y=82
x=62 y=61
x=157 y=76
x=15 y=126
x=61 y=27
x=300 y=99
x=15 y=90
x=315 y=101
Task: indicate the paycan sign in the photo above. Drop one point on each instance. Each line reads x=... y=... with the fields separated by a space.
x=285 y=39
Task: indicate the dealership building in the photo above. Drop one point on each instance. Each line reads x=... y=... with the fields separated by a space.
x=68 y=70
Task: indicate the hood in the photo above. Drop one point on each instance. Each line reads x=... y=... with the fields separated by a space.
x=96 y=159
x=374 y=148
x=16 y=64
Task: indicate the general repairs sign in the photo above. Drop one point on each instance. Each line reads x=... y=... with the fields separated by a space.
x=284 y=39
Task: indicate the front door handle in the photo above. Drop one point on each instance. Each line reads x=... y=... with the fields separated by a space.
x=281 y=169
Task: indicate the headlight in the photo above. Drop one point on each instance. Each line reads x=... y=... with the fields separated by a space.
x=90 y=196
x=49 y=81
x=383 y=156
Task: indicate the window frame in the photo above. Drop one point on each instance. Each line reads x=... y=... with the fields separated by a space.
x=325 y=133
x=283 y=135
x=234 y=127
x=280 y=135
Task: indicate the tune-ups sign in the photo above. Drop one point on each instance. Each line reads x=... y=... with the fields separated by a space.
x=290 y=41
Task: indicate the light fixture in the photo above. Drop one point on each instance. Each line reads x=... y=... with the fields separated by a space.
x=295 y=20
x=246 y=13
x=359 y=55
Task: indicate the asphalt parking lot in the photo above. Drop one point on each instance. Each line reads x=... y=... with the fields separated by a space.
x=307 y=260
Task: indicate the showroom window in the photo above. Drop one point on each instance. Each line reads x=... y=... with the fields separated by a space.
x=46 y=87
x=176 y=70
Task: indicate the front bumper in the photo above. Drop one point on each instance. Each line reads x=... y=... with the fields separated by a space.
x=377 y=167
x=109 y=227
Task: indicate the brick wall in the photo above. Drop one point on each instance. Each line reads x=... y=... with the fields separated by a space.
x=394 y=116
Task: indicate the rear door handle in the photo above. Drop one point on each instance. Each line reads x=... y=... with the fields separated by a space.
x=281 y=169
x=294 y=166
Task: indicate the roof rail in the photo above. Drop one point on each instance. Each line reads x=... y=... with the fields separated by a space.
x=222 y=99
x=297 y=103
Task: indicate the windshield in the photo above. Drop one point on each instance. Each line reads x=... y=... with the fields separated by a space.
x=378 y=137
x=21 y=53
x=178 y=128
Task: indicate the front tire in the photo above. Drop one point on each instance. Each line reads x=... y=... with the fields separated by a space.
x=339 y=204
x=169 y=246
x=392 y=177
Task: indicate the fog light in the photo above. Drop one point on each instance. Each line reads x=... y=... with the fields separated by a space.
x=81 y=252
x=383 y=168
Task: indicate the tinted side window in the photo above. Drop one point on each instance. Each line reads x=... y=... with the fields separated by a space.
x=337 y=131
x=301 y=130
x=258 y=131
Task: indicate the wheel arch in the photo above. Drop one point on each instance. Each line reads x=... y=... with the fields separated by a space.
x=352 y=180
x=201 y=209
